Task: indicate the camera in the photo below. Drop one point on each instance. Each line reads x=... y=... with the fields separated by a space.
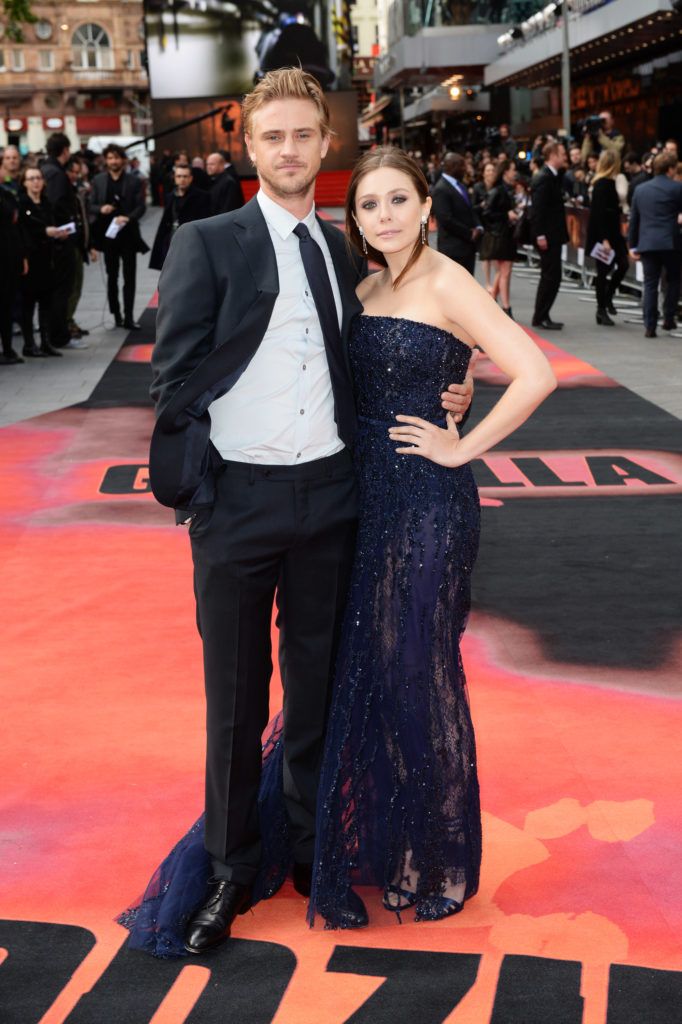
x=592 y=125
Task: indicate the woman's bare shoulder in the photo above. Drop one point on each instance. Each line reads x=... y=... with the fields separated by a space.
x=367 y=286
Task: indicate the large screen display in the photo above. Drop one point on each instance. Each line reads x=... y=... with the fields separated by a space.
x=202 y=48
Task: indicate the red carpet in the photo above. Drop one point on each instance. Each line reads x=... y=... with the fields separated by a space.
x=572 y=691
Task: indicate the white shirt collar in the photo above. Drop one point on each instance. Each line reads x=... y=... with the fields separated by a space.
x=279 y=219
x=554 y=170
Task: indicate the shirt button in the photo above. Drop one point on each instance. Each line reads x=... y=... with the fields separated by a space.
x=304 y=366
x=298 y=455
x=307 y=293
x=307 y=331
x=302 y=412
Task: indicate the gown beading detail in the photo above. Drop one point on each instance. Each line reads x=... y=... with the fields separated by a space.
x=399 y=768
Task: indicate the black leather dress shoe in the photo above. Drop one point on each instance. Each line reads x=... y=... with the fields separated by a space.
x=212 y=923
x=118 y=319
x=650 y=332
x=303 y=877
x=131 y=325
x=548 y=325
x=669 y=325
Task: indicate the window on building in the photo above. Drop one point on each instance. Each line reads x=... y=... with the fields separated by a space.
x=91 y=48
x=45 y=60
x=3 y=66
x=131 y=59
x=18 y=62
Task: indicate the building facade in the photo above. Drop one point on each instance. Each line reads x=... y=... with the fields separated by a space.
x=80 y=69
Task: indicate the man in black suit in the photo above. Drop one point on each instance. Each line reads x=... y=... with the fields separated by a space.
x=59 y=191
x=252 y=384
x=117 y=199
x=226 y=189
x=549 y=231
x=654 y=237
x=459 y=227
x=186 y=203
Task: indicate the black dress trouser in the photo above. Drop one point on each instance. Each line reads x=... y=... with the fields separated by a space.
x=115 y=254
x=550 y=280
x=604 y=285
x=288 y=530
x=63 y=274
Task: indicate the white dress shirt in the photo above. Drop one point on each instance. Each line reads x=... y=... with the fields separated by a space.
x=281 y=410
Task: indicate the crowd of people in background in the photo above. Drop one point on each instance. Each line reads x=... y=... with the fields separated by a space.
x=491 y=201
x=60 y=209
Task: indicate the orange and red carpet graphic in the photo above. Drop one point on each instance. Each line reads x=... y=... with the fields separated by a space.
x=573 y=659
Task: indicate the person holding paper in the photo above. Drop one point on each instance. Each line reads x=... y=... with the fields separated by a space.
x=43 y=250
x=59 y=192
x=118 y=204
x=605 y=242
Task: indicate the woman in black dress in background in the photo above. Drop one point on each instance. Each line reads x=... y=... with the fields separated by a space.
x=499 y=219
x=481 y=190
x=41 y=238
x=604 y=227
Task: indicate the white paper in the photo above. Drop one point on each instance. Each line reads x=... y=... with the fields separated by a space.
x=564 y=253
x=602 y=254
x=113 y=230
x=639 y=272
x=70 y=227
x=581 y=257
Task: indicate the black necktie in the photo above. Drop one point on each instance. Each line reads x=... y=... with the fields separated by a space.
x=318 y=278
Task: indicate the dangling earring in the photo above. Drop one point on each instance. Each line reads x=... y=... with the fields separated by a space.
x=423 y=230
x=364 y=240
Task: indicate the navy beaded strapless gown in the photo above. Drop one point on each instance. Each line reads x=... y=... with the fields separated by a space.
x=399 y=769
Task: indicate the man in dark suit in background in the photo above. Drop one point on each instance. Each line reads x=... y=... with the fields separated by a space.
x=459 y=227
x=549 y=231
x=654 y=237
x=226 y=190
x=117 y=197
x=186 y=203
x=60 y=192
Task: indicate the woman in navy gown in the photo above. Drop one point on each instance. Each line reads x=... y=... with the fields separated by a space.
x=398 y=803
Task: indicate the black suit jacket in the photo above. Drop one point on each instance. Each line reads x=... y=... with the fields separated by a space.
x=131 y=205
x=456 y=219
x=653 y=218
x=196 y=206
x=548 y=216
x=226 y=192
x=217 y=292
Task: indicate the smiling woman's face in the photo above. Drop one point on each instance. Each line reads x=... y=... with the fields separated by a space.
x=389 y=210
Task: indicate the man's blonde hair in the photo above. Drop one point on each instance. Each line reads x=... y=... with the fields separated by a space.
x=286 y=84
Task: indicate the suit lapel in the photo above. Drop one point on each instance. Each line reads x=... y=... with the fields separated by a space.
x=253 y=238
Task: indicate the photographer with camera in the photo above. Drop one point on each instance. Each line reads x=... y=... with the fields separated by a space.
x=599 y=133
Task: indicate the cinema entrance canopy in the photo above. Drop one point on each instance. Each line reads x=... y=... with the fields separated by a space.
x=601 y=38
x=624 y=54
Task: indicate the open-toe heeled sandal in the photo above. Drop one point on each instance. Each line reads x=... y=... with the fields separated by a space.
x=396 y=899
x=435 y=908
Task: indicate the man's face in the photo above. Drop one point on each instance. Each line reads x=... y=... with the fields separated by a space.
x=183 y=178
x=73 y=173
x=286 y=145
x=504 y=132
x=558 y=159
x=575 y=156
x=215 y=164
x=671 y=147
x=11 y=161
x=114 y=162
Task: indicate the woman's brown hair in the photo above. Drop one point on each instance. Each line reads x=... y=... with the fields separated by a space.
x=384 y=156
